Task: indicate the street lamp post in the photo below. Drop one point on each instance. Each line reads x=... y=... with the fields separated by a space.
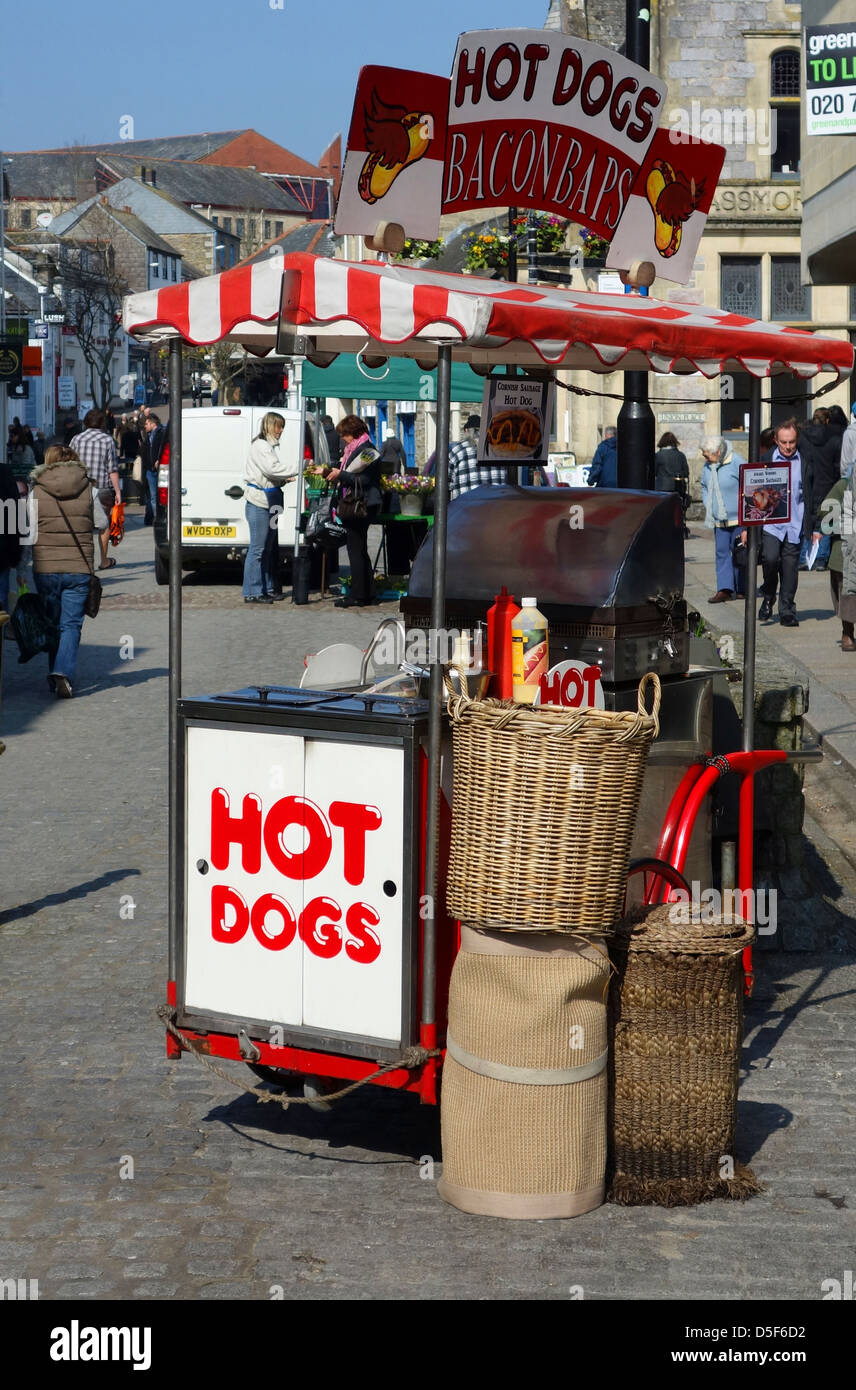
x=4 y=390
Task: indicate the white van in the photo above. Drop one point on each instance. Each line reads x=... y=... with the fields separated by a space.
x=214 y=448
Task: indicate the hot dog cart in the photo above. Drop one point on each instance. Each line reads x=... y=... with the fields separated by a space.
x=307 y=829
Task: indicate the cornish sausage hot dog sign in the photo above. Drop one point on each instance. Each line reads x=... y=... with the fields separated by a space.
x=516 y=420
x=293 y=880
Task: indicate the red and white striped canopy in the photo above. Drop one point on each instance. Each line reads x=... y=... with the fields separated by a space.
x=343 y=306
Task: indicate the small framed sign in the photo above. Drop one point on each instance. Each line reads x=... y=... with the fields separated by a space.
x=516 y=419
x=765 y=493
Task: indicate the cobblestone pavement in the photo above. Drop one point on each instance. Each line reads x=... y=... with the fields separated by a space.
x=230 y=1198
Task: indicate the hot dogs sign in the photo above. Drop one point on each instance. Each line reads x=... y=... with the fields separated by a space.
x=532 y=119
x=294 y=884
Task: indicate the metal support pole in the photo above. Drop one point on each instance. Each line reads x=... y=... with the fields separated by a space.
x=435 y=714
x=636 y=418
x=532 y=248
x=750 y=617
x=176 y=889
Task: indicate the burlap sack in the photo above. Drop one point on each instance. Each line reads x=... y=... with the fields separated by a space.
x=524 y=1082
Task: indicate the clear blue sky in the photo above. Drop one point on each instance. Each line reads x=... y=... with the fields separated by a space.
x=182 y=66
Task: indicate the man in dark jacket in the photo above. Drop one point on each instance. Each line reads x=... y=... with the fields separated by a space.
x=780 y=541
x=604 y=465
x=818 y=439
x=151 y=448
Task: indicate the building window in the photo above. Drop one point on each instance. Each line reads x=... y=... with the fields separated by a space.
x=852 y=310
x=789 y=299
x=251 y=226
x=785 y=113
x=267 y=230
x=239 y=226
x=26 y=217
x=785 y=74
x=227 y=224
x=163 y=266
x=277 y=229
x=215 y=219
x=740 y=285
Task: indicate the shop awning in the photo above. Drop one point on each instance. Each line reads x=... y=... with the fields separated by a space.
x=394 y=310
x=399 y=379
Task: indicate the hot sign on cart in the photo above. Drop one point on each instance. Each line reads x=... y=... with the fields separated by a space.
x=294 y=903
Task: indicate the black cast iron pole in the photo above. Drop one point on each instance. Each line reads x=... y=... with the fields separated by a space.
x=175 y=799
x=636 y=418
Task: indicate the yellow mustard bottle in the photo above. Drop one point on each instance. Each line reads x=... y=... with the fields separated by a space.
x=529 y=652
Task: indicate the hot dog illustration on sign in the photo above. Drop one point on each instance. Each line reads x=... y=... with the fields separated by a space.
x=393 y=171
x=673 y=197
x=395 y=137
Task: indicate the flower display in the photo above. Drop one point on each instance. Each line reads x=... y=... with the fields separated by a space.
x=408 y=483
x=414 y=250
x=315 y=479
x=487 y=250
x=550 y=231
x=594 y=247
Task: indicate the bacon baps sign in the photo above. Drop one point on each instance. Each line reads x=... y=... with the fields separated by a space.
x=396 y=146
x=294 y=882
x=542 y=120
x=668 y=206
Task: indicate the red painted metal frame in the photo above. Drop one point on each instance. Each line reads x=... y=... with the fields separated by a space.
x=675 y=850
x=422 y=1080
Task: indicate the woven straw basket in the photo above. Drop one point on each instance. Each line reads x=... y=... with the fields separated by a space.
x=543 y=813
x=676 y=1029
x=524 y=1081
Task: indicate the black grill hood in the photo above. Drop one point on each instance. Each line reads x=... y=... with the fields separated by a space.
x=625 y=558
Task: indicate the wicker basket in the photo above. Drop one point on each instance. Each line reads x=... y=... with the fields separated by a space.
x=524 y=1081
x=676 y=1028
x=543 y=812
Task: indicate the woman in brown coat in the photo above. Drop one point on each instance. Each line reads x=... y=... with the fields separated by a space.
x=63 y=555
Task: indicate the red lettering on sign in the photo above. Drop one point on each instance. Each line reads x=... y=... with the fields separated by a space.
x=618 y=114
x=244 y=830
x=360 y=920
x=469 y=77
x=221 y=899
x=534 y=53
x=298 y=810
x=355 y=821
x=318 y=914
x=594 y=104
x=646 y=100
x=272 y=902
x=498 y=90
x=570 y=64
x=570 y=688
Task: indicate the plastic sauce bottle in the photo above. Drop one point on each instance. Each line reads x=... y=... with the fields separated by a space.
x=499 y=620
x=529 y=656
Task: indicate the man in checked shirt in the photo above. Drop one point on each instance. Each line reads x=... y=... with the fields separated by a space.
x=465 y=471
x=97 y=453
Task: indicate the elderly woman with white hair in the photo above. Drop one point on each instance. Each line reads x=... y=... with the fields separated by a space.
x=720 y=491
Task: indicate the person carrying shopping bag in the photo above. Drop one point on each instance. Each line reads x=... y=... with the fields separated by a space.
x=63 y=555
x=264 y=475
x=359 y=505
x=720 y=491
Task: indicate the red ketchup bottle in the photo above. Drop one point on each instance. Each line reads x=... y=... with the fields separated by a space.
x=499 y=643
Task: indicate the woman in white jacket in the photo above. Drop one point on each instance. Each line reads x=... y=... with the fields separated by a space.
x=264 y=475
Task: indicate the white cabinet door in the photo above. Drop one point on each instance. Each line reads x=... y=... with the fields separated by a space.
x=352 y=964
x=243 y=951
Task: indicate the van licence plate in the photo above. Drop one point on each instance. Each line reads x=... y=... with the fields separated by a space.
x=209 y=533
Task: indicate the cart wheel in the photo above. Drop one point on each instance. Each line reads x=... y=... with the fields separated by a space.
x=161 y=569
x=315 y=1088
x=275 y=1076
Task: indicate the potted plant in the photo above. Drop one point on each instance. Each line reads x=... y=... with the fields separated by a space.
x=595 y=248
x=316 y=482
x=410 y=489
x=414 y=250
x=486 y=250
x=550 y=232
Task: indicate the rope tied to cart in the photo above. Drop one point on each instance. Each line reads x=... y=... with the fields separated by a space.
x=409 y=1060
